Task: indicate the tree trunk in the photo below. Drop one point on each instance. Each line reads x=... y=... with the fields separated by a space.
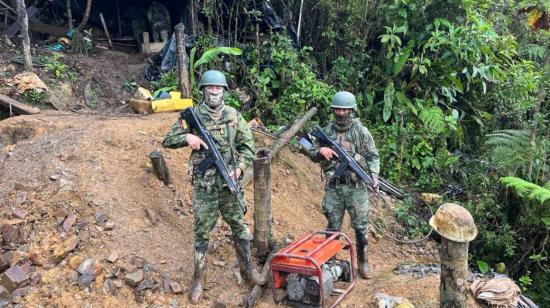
x=86 y=16
x=540 y=99
x=69 y=14
x=453 y=289
x=183 y=61
x=23 y=20
x=263 y=233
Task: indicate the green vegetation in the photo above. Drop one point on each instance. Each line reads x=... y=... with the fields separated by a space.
x=455 y=93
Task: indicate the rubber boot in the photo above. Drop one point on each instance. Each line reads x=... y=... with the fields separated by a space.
x=362 y=247
x=199 y=275
x=242 y=247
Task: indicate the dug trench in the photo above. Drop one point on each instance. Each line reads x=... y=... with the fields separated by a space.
x=86 y=219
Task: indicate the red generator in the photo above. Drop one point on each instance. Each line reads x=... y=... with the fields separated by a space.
x=305 y=273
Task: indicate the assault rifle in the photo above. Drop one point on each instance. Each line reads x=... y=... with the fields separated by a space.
x=213 y=155
x=346 y=161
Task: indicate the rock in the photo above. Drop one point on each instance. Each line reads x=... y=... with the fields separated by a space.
x=19 y=213
x=21 y=292
x=152 y=215
x=129 y=267
x=146 y=284
x=86 y=266
x=20 y=197
x=112 y=257
x=62 y=250
x=5 y=297
x=163 y=261
x=4 y=264
x=100 y=218
x=17 y=257
x=219 y=263
x=27 y=268
x=97 y=270
x=238 y=278
x=69 y=222
x=55 y=177
x=133 y=279
x=71 y=278
x=10 y=233
x=85 y=280
x=109 y=225
x=139 y=262
x=36 y=259
x=14 y=278
x=36 y=278
x=175 y=287
x=75 y=261
x=109 y=286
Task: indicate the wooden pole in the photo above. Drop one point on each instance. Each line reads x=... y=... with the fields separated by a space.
x=299 y=22
x=263 y=233
x=181 y=54
x=159 y=165
x=23 y=20
x=281 y=141
x=105 y=29
x=453 y=288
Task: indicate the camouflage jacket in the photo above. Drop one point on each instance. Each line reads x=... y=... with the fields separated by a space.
x=231 y=126
x=357 y=141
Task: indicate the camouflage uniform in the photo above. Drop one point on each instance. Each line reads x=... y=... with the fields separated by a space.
x=210 y=191
x=348 y=192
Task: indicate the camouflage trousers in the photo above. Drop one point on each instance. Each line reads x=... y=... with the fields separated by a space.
x=206 y=209
x=351 y=197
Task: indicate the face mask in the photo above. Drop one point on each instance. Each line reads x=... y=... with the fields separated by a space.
x=342 y=122
x=214 y=101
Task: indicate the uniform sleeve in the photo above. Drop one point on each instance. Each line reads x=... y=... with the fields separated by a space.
x=244 y=144
x=313 y=152
x=370 y=153
x=176 y=137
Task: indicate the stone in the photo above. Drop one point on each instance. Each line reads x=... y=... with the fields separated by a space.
x=100 y=217
x=238 y=278
x=14 y=278
x=24 y=187
x=109 y=286
x=109 y=225
x=75 y=261
x=17 y=257
x=113 y=257
x=219 y=263
x=70 y=277
x=10 y=233
x=4 y=264
x=55 y=177
x=20 y=197
x=5 y=297
x=97 y=270
x=19 y=213
x=146 y=284
x=152 y=215
x=36 y=259
x=139 y=262
x=36 y=278
x=175 y=287
x=21 y=292
x=63 y=250
x=129 y=267
x=86 y=266
x=133 y=279
x=69 y=222
x=85 y=280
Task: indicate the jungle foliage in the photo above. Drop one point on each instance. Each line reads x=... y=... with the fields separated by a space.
x=455 y=93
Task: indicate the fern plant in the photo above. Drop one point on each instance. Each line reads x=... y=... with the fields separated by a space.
x=527 y=190
x=509 y=149
x=433 y=119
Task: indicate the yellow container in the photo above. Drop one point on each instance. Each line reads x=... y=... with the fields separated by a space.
x=175 y=103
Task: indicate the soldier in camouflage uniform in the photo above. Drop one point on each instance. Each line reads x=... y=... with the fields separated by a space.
x=348 y=192
x=211 y=194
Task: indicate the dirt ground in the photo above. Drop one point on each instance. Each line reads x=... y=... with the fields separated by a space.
x=56 y=164
x=79 y=186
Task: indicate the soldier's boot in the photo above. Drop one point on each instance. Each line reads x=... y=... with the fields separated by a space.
x=242 y=247
x=362 y=263
x=199 y=275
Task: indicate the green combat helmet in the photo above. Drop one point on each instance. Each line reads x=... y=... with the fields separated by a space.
x=344 y=99
x=212 y=78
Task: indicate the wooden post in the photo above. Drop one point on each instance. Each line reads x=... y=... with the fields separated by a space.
x=262 y=204
x=453 y=289
x=105 y=29
x=183 y=73
x=299 y=22
x=161 y=170
x=24 y=28
x=279 y=143
x=69 y=14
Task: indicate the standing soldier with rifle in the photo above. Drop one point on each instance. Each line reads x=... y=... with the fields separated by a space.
x=235 y=147
x=344 y=188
